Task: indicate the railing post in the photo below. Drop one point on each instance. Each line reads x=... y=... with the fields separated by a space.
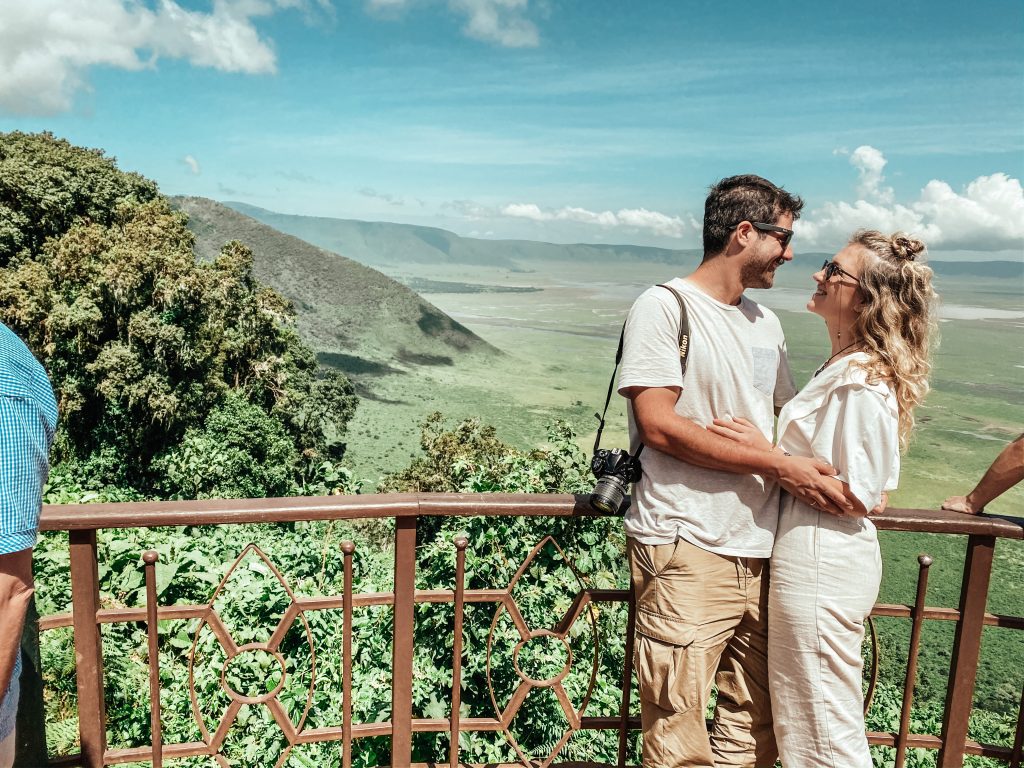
x=627 y=676
x=347 y=548
x=401 y=661
x=30 y=729
x=85 y=598
x=150 y=558
x=1018 y=738
x=910 y=680
x=966 y=649
x=455 y=729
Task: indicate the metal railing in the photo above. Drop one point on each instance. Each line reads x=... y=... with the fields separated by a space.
x=83 y=522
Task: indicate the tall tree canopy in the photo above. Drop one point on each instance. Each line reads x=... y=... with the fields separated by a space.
x=46 y=184
x=149 y=349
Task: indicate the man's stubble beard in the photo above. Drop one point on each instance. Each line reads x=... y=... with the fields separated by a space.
x=758 y=271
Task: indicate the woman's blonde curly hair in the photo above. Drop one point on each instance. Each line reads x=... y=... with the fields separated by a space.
x=897 y=325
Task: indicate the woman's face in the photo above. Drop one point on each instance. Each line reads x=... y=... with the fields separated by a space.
x=838 y=297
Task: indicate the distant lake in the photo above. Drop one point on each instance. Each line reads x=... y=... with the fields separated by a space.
x=793 y=300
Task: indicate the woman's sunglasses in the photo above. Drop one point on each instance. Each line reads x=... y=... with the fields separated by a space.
x=831 y=269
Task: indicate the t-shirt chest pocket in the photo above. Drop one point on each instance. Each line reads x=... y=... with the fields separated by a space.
x=765 y=366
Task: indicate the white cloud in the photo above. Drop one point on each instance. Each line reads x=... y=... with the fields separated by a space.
x=498 y=21
x=193 y=164
x=635 y=219
x=987 y=215
x=48 y=46
x=387 y=197
x=493 y=21
x=469 y=209
x=870 y=163
x=833 y=223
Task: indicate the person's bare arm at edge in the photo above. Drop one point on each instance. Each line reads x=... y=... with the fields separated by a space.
x=16 y=590
x=664 y=430
x=1006 y=471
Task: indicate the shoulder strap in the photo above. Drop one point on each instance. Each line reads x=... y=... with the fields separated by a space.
x=684 y=348
x=684 y=326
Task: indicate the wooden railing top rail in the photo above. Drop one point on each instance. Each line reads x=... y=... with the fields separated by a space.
x=70 y=517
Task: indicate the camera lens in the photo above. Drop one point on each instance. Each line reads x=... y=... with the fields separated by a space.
x=608 y=494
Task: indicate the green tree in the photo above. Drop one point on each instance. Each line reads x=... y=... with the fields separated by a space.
x=241 y=452
x=144 y=343
x=47 y=184
x=471 y=458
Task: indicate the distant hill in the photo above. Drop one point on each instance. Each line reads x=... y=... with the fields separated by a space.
x=356 y=318
x=386 y=244
x=1011 y=270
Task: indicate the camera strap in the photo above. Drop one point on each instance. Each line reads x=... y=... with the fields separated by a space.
x=684 y=348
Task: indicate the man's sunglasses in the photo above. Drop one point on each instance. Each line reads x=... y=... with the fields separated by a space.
x=831 y=269
x=787 y=234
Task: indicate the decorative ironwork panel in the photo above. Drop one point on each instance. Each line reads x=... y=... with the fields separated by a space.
x=543 y=659
x=227 y=679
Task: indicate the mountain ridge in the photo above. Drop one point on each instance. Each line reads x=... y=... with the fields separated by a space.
x=391 y=244
x=415 y=243
x=346 y=311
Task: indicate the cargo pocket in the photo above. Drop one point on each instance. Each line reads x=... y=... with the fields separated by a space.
x=669 y=675
x=666 y=584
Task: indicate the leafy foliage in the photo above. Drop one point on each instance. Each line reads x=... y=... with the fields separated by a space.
x=926 y=718
x=465 y=457
x=174 y=377
x=47 y=184
x=192 y=562
x=240 y=452
x=470 y=458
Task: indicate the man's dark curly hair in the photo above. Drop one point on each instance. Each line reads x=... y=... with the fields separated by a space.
x=743 y=198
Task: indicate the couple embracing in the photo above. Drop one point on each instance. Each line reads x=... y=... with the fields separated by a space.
x=719 y=506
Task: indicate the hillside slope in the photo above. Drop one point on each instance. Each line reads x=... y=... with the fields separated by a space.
x=356 y=318
x=384 y=243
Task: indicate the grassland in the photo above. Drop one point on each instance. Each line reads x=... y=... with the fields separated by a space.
x=559 y=344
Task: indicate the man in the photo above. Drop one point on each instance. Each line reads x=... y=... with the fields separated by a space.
x=703 y=517
x=28 y=418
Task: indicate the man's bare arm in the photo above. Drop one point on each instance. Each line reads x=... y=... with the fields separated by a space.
x=1006 y=471
x=664 y=430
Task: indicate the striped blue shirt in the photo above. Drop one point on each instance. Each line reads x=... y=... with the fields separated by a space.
x=28 y=419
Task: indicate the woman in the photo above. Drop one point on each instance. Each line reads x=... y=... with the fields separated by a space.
x=876 y=299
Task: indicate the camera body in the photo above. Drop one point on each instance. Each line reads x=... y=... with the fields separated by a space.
x=614 y=469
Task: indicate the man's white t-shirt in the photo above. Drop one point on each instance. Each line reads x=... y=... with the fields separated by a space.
x=736 y=367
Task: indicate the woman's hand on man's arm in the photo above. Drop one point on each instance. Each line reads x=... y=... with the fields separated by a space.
x=742 y=431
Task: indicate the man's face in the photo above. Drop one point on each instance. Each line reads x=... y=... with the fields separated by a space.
x=766 y=255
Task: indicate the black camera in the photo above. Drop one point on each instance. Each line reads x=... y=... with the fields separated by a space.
x=614 y=469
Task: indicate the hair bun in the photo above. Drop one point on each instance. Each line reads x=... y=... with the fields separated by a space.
x=904 y=247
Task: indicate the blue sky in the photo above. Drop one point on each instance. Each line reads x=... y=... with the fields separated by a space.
x=561 y=120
